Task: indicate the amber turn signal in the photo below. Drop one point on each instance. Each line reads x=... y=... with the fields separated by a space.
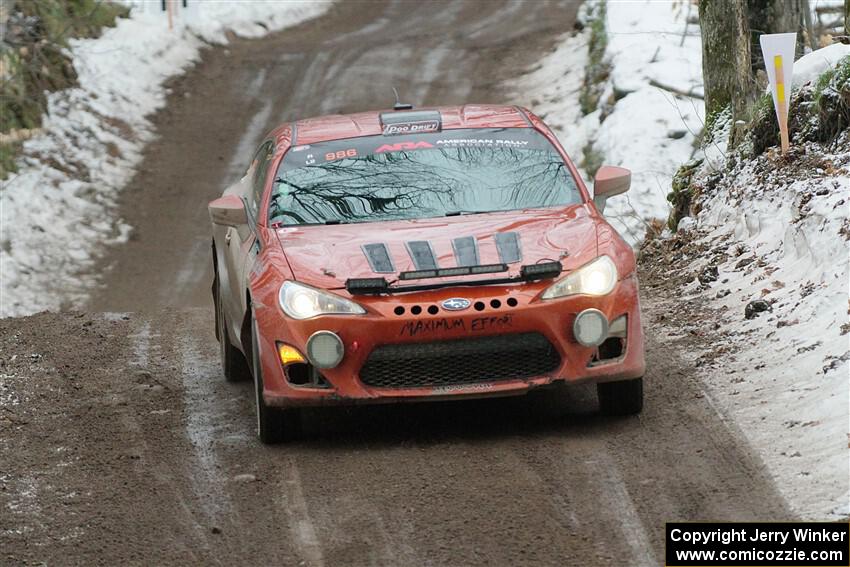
x=288 y=354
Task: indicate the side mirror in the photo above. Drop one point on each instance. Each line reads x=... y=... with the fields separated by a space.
x=610 y=181
x=228 y=211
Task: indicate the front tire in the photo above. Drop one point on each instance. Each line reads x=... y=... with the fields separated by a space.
x=233 y=363
x=624 y=397
x=274 y=425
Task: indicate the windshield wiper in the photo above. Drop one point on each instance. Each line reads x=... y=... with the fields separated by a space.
x=459 y=213
x=324 y=222
x=327 y=222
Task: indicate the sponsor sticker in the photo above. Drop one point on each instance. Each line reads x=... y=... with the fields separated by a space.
x=423 y=132
x=483 y=142
x=462 y=388
x=419 y=127
x=401 y=146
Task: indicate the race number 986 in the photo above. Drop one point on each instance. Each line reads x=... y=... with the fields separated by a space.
x=341 y=154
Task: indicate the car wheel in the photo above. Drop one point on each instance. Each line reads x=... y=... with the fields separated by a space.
x=273 y=424
x=233 y=362
x=624 y=397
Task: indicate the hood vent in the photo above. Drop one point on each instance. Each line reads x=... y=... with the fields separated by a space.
x=466 y=251
x=379 y=258
x=422 y=255
x=507 y=243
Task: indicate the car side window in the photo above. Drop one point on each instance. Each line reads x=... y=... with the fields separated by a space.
x=261 y=162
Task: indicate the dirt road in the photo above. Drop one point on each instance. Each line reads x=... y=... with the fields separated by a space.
x=121 y=443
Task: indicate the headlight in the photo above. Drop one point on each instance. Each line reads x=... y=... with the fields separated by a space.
x=302 y=302
x=595 y=278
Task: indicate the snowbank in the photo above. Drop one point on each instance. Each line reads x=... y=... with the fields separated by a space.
x=641 y=124
x=779 y=232
x=809 y=67
x=57 y=213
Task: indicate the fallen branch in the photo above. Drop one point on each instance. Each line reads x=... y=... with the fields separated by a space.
x=674 y=90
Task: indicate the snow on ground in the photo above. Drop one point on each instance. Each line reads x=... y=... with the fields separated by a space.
x=649 y=130
x=783 y=233
x=783 y=227
x=808 y=68
x=58 y=212
x=780 y=232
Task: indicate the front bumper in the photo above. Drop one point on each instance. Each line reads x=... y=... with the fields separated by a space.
x=504 y=311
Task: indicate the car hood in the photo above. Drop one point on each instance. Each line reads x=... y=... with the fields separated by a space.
x=325 y=256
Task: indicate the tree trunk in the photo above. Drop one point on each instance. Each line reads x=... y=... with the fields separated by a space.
x=847 y=17
x=777 y=16
x=726 y=59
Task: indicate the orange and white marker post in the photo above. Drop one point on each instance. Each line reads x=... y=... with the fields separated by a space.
x=778 y=52
x=781 y=106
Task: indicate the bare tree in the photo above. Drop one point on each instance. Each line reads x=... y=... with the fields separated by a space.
x=778 y=16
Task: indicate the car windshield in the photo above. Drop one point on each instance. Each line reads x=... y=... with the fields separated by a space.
x=382 y=178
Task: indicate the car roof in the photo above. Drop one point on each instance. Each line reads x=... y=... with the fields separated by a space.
x=341 y=126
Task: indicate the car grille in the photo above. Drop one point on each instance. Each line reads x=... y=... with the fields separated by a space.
x=466 y=361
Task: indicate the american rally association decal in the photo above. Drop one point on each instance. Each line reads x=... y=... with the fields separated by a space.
x=483 y=142
x=401 y=146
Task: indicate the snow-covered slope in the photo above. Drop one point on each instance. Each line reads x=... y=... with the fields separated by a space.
x=774 y=236
x=808 y=68
x=778 y=231
x=58 y=211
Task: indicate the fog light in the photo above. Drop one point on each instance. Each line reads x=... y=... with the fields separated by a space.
x=288 y=354
x=590 y=327
x=324 y=349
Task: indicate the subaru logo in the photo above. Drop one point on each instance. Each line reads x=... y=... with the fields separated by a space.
x=456 y=304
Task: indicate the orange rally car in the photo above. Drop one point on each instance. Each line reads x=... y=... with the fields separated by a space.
x=427 y=254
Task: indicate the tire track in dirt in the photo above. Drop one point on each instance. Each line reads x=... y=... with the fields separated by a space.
x=300 y=521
